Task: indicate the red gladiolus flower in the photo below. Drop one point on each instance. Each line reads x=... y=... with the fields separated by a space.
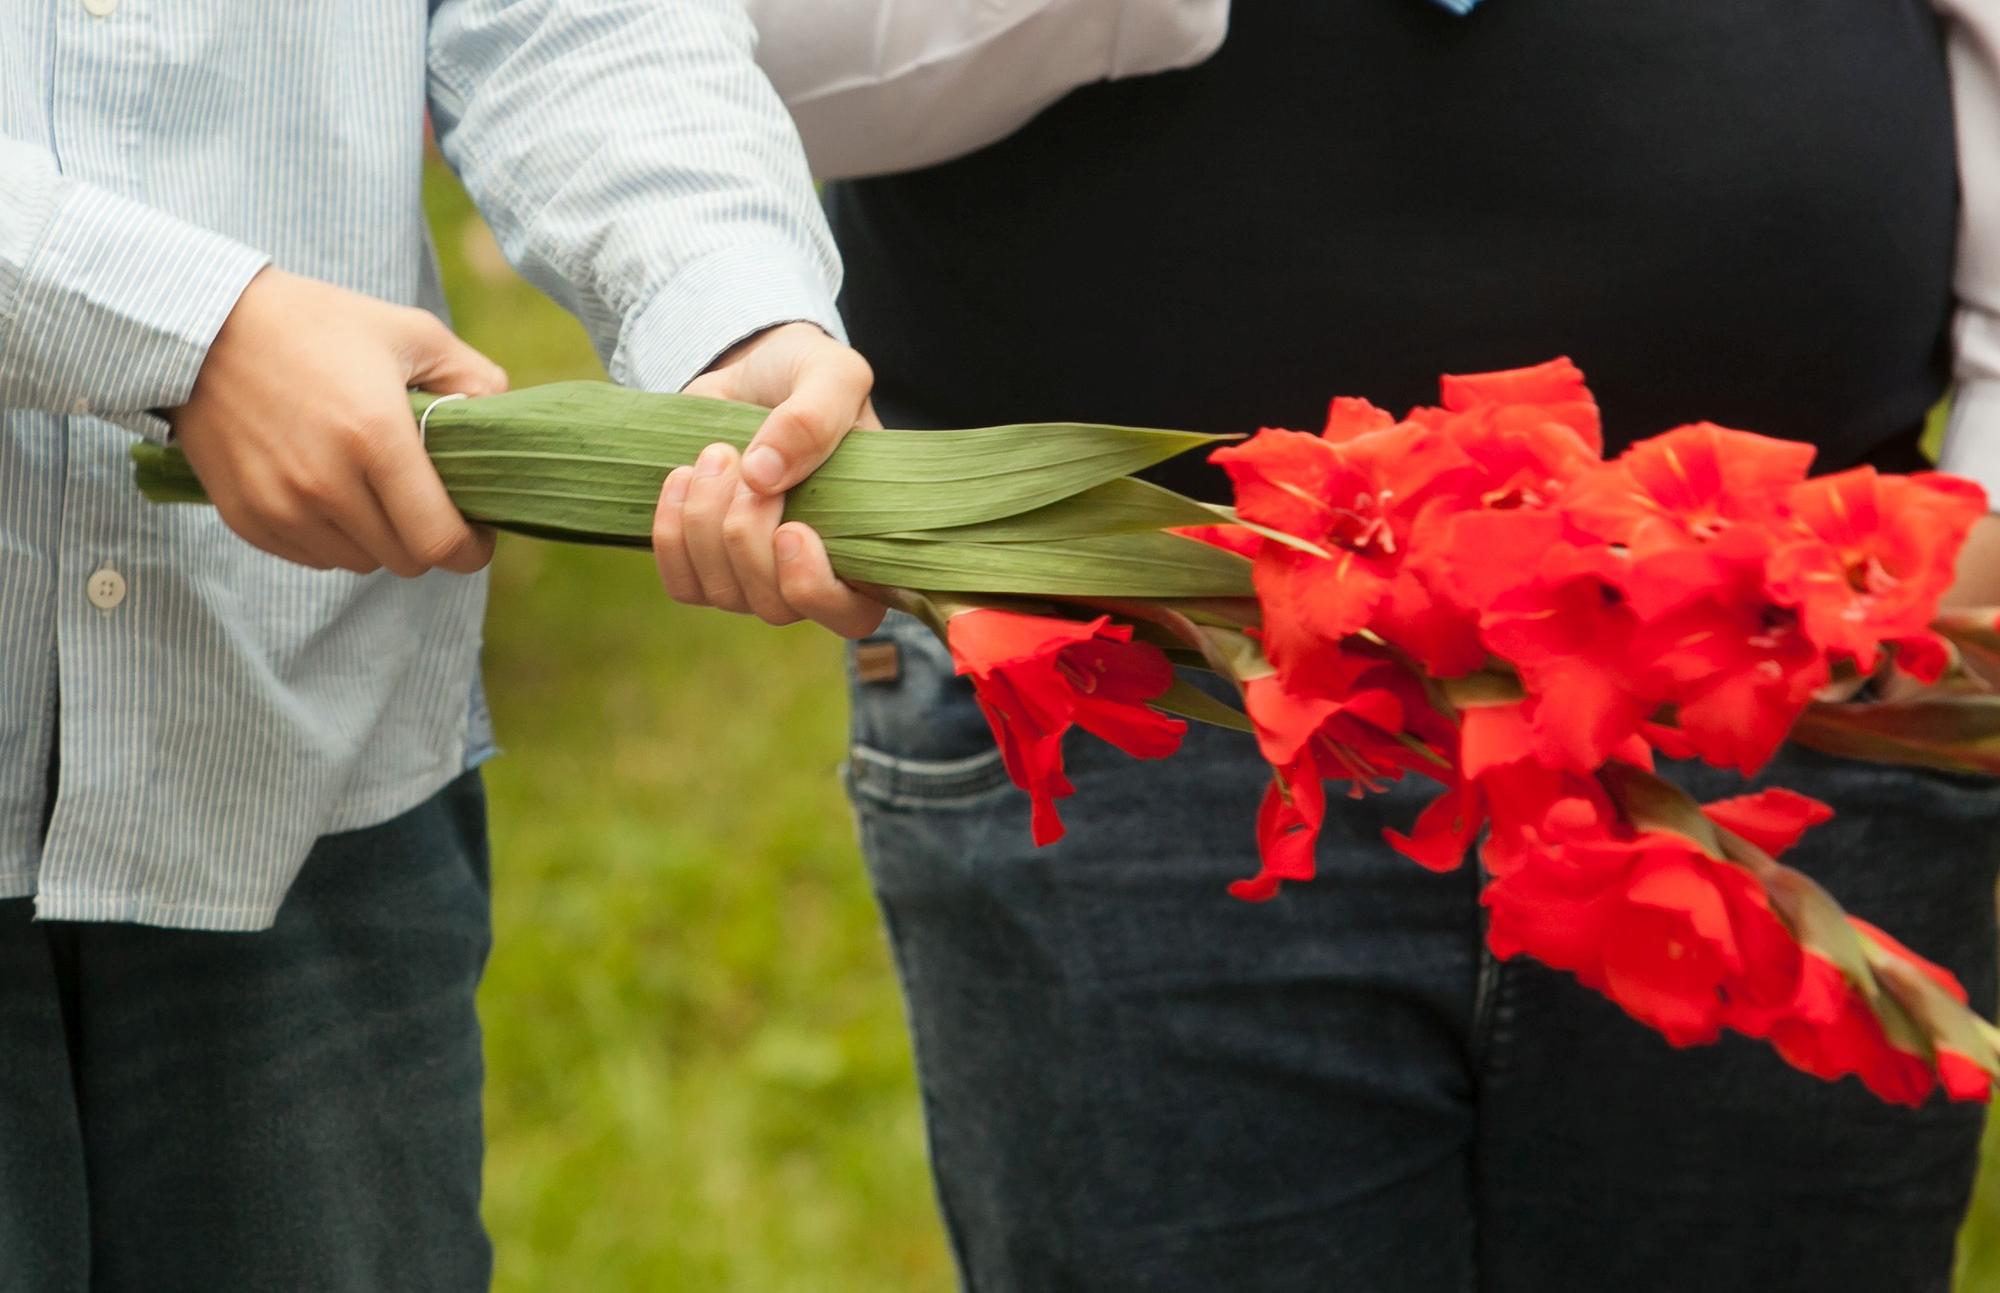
x=1689 y=598
x=1525 y=435
x=1532 y=806
x=1355 y=500
x=1570 y=632
x=1685 y=943
x=1347 y=418
x=1343 y=718
x=1685 y=487
x=1882 y=551
x=1740 y=666
x=1848 y=1039
x=1550 y=393
x=1035 y=677
x=1961 y=1077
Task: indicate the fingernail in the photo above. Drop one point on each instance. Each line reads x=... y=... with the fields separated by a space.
x=787 y=544
x=677 y=487
x=763 y=467
x=710 y=462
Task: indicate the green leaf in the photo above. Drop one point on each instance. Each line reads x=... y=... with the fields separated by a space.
x=1950 y=733
x=876 y=482
x=1975 y=632
x=1235 y=655
x=165 y=476
x=1119 y=506
x=1043 y=510
x=585 y=460
x=1946 y=1022
x=1189 y=701
x=1115 y=565
x=1653 y=803
x=1819 y=924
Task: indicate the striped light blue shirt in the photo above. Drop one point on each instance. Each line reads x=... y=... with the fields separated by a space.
x=219 y=709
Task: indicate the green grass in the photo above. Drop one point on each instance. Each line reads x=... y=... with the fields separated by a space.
x=698 y=1075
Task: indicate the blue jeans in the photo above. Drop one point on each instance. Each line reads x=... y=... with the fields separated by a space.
x=1133 y=1082
x=292 y=1111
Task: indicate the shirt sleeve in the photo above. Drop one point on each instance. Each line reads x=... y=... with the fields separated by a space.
x=636 y=166
x=877 y=86
x=107 y=306
x=1972 y=437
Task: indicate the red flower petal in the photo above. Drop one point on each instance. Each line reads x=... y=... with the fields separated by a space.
x=1288 y=826
x=1556 y=386
x=1444 y=831
x=1772 y=819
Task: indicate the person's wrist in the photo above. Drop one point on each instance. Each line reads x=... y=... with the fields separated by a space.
x=713 y=304
x=763 y=336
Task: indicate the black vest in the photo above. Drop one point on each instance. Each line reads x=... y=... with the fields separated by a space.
x=1741 y=210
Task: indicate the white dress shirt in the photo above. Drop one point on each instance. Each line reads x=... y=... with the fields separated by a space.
x=220 y=708
x=892 y=85
x=887 y=85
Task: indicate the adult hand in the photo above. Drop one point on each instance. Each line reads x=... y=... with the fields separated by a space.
x=299 y=427
x=717 y=535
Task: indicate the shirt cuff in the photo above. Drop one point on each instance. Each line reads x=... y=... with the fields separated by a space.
x=118 y=306
x=1972 y=438
x=713 y=303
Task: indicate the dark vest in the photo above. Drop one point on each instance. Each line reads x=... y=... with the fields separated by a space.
x=1741 y=210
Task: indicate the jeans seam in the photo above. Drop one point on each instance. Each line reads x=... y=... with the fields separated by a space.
x=1487 y=985
x=1485 y=1004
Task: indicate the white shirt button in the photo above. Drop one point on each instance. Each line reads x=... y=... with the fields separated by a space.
x=100 y=8
x=106 y=588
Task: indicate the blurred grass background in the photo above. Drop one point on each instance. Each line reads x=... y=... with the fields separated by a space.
x=698 y=1075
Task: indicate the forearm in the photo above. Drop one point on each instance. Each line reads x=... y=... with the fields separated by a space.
x=637 y=167
x=107 y=306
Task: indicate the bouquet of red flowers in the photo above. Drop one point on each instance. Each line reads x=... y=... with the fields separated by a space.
x=1470 y=594
x=1473 y=594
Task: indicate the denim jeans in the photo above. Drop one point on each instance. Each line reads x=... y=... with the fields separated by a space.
x=291 y=1111
x=1134 y=1082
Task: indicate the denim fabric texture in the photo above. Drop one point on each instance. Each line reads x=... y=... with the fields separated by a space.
x=1135 y=1082
x=290 y=1111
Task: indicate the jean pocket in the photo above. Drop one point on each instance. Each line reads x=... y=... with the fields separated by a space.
x=918 y=738
x=878 y=777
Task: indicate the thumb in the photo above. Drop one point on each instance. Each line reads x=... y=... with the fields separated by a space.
x=437 y=360
x=826 y=401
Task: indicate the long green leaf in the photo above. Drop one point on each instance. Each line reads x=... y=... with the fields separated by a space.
x=1120 y=506
x=1044 y=510
x=877 y=482
x=1958 y=733
x=1116 y=565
